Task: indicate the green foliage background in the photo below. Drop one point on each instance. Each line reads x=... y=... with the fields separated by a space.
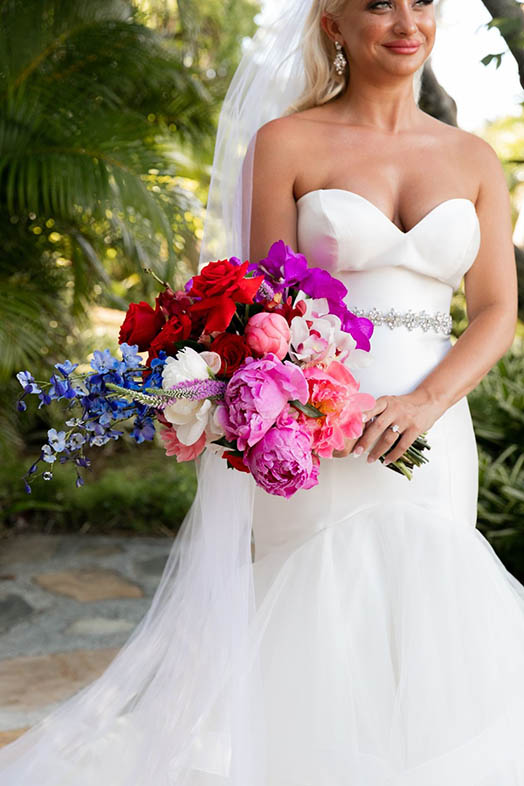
x=108 y=112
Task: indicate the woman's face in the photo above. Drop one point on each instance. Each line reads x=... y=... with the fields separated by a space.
x=370 y=29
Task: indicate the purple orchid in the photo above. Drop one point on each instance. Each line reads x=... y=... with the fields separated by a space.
x=360 y=328
x=282 y=268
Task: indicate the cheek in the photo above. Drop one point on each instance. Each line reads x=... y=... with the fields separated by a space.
x=373 y=31
x=429 y=28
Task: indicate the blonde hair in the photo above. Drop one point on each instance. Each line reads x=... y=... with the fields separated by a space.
x=322 y=81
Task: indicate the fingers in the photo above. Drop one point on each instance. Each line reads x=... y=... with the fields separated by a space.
x=380 y=405
x=405 y=442
x=378 y=438
x=375 y=427
x=384 y=444
x=346 y=450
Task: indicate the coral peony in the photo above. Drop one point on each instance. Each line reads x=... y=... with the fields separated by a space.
x=268 y=332
x=176 y=448
x=256 y=395
x=282 y=461
x=334 y=391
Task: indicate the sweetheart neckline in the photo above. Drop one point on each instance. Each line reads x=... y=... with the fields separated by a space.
x=387 y=218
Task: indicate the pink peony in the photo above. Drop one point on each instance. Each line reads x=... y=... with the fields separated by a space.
x=268 y=332
x=256 y=395
x=282 y=461
x=182 y=452
x=334 y=391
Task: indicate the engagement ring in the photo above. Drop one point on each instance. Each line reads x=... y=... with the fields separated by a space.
x=395 y=428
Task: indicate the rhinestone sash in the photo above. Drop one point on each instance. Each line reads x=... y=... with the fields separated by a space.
x=439 y=321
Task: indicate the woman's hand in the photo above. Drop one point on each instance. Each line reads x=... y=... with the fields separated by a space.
x=414 y=413
x=350 y=443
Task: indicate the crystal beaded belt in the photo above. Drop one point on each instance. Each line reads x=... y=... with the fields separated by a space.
x=439 y=321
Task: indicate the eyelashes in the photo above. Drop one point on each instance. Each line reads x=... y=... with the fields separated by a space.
x=388 y=3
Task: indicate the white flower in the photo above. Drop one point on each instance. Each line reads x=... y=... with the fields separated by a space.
x=318 y=337
x=188 y=364
x=190 y=418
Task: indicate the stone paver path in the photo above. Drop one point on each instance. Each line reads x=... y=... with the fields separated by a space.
x=67 y=604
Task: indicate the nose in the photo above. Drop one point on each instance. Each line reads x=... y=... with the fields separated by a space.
x=405 y=20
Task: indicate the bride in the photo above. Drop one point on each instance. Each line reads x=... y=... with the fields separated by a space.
x=376 y=639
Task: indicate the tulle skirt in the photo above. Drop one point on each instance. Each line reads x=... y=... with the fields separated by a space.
x=393 y=653
x=376 y=639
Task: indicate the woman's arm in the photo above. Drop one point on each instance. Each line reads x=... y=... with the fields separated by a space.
x=273 y=208
x=491 y=297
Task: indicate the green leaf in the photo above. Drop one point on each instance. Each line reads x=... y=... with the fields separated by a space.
x=497 y=57
x=307 y=409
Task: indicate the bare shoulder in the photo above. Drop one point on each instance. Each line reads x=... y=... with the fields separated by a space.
x=281 y=135
x=477 y=149
x=477 y=155
x=483 y=160
x=281 y=146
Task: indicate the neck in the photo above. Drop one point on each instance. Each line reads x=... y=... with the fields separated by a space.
x=387 y=107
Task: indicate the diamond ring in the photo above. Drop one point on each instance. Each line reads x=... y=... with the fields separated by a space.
x=395 y=428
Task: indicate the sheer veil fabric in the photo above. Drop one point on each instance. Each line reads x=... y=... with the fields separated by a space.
x=139 y=723
x=182 y=701
x=269 y=79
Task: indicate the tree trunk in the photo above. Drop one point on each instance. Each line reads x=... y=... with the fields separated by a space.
x=434 y=99
x=511 y=9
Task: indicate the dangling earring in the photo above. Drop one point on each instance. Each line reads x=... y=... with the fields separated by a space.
x=340 y=61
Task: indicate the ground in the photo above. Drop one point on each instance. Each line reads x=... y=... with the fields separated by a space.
x=67 y=604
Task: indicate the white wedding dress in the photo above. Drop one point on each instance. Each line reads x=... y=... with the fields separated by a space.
x=390 y=636
x=394 y=647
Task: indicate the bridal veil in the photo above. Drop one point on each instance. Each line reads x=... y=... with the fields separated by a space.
x=181 y=704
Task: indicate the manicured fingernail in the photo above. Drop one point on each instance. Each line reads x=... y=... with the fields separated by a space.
x=370 y=459
x=386 y=462
x=358 y=452
x=364 y=418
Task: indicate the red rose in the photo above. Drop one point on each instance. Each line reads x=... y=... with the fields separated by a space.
x=220 y=286
x=176 y=304
x=232 y=349
x=141 y=325
x=218 y=278
x=176 y=329
x=171 y=303
x=235 y=461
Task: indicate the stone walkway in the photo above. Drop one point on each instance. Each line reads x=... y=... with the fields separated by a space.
x=67 y=604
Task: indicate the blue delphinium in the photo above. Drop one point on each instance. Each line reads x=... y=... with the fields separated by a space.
x=100 y=408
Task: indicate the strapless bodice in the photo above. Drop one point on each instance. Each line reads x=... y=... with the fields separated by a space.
x=380 y=264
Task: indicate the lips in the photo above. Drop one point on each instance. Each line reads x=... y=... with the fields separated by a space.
x=405 y=47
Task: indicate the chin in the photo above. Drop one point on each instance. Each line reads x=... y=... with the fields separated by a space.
x=405 y=68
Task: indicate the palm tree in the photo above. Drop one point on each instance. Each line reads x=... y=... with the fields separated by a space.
x=92 y=107
x=97 y=116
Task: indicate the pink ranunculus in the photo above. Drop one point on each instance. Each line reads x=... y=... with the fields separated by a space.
x=282 y=462
x=268 y=332
x=182 y=452
x=256 y=395
x=334 y=391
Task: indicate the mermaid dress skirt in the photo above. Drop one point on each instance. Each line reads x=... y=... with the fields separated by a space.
x=389 y=637
x=394 y=648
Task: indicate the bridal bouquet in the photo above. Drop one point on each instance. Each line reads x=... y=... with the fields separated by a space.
x=251 y=360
